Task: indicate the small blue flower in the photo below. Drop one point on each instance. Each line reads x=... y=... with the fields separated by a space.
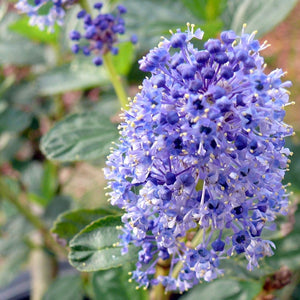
x=36 y=12
x=101 y=33
x=201 y=151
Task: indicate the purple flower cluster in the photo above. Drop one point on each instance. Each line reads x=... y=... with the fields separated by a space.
x=199 y=165
x=100 y=33
x=44 y=13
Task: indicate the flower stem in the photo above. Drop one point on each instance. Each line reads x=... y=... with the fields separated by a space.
x=158 y=291
x=115 y=79
x=7 y=194
x=196 y=239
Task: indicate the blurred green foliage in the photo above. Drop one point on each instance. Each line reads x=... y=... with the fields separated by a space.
x=49 y=96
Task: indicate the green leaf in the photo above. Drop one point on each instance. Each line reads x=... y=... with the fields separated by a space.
x=196 y=7
x=68 y=287
x=124 y=59
x=14 y=120
x=249 y=289
x=49 y=180
x=23 y=94
x=78 y=137
x=33 y=33
x=94 y=247
x=287 y=249
x=14 y=253
x=14 y=231
x=211 y=28
x=113 y=284
x=12 y=264
x=20 y=52
x=15 y=49
x=31 y=177
x=9 y=146
x=151 y=19
x=205 y=9
x=293 y=175
x=37 y=199
x=58 y=205
x=259 y=15
x=40 y=181
x=214 y=9
x=70 y=223
x=78 y=75
x=220 y=289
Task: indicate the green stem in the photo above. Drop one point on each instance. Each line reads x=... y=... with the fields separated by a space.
x=196 y=239
x=25 y=210
x=115 y=79
x=177 y=269
x=158 y=291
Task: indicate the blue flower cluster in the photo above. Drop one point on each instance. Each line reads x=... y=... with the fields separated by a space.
x=100 y=33
x=199 y=165
x=44 y=13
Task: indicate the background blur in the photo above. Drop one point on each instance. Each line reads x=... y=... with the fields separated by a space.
x=42 y=83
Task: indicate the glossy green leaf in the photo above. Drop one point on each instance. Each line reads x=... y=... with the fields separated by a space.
x=78 y=137
x=78 y=75
x=68 y=287
x=94 y=247
x=113 y=284
x=259 y=15
x=70 y=223
x=33 y=33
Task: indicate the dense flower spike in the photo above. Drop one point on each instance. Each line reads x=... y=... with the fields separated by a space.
x=100 y=34
x=199 y=166
x=45 y=13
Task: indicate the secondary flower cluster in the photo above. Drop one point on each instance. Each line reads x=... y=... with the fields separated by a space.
x=199 y=166
x=100 y=33
x=44 y=13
